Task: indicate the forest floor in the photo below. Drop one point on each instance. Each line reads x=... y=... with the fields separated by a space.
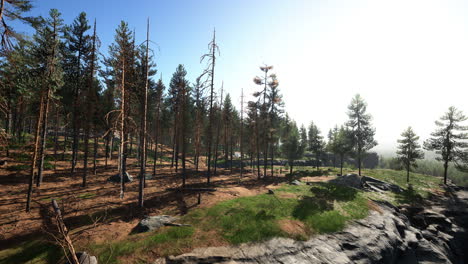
x=102 y=223
x=96 y=214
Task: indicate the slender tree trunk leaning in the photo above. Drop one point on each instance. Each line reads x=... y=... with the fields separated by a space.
x=43 y=139
x=35 y=154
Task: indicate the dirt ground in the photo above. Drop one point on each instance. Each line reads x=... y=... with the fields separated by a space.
x=96 y=213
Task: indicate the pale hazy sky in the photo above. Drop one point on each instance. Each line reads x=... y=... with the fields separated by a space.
x=407 y=58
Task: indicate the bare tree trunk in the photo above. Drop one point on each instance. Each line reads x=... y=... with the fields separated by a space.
x=86 y=152
x=123 y=136
x=143 y=128
x=43 y=139
x=57 y=124
x=35 y=154
x=95 y=149
x=107 y=150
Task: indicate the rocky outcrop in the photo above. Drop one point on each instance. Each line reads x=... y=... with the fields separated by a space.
x=385 y=236
x=366 y=183
x=155 y=222
x=349 y=180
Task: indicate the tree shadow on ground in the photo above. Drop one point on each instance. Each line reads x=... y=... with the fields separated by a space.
x=317 y=210
x=332 y=192
x=409 y=196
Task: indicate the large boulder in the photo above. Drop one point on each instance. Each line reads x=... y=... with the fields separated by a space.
x=349 y=180
x=116 y=178
x=151 y=223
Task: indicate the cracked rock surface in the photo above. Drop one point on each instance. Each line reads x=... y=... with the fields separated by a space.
x=437 y=234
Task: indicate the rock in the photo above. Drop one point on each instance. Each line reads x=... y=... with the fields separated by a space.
x=349 y=180
x=149 y=176
x=85 y=258
x=296 y=182
x=151 y=223
x=378 y=185
x=116 y=178
x=382 y=237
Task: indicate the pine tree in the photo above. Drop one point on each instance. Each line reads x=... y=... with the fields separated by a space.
x=158 y=101
x=275 y=114
x=121 y=74
x=228 y=117
x=11 y=11
x=178 y=92
x=361 y=127
x=266 y=81
x=409 y=150
x=331 y=144
x=449 y=140
x=200 y=109
x=90 y=102
x=315 y=143
x=292 y=148
x=46 y=54
x=343 y=144
x=78 y=47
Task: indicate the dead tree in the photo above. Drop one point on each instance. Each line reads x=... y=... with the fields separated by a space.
x=209 y=72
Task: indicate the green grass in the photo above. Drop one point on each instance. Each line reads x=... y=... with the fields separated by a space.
x=87 y=195
x=32 y=252
x=170 y=241
x=421 y=184
x=322 y=207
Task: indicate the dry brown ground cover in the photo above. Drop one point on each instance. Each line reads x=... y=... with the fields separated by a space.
x=96 y=213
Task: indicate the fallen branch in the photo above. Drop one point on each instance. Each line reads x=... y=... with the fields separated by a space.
x=64 y=232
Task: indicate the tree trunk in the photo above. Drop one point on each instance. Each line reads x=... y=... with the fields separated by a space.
x=43 y=139
x=445 y=171
x=35 y=154
x=95 y=149
x=143 y=127
x=86 y=153
x=341 y=165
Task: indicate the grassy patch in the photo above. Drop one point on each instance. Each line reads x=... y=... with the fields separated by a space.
x=322 y=207
x=87 y=195
x=169 y=241
x=35 y=251
x=420 y=184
